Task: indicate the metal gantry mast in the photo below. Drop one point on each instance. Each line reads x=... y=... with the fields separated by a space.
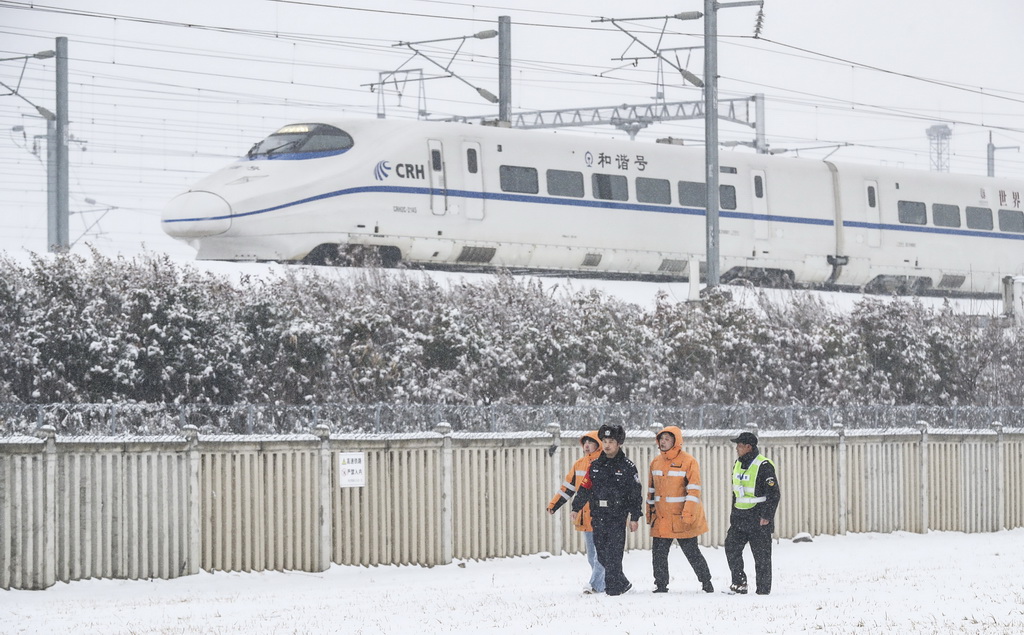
x=634 y=117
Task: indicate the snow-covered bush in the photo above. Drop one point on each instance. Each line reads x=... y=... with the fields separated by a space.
x=147 y=330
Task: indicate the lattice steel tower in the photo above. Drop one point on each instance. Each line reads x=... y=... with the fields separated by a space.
x=939 y=135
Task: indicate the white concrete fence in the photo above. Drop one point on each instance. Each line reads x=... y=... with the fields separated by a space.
x=132 y=508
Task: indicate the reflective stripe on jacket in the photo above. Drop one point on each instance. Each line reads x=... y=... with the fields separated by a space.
x=572 y=482
x=744 y=482
x=674 y=492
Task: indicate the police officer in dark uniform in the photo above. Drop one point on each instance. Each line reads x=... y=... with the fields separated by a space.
x=612 y=487
x=755 y=497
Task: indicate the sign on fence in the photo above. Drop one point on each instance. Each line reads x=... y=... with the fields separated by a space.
x=351 y=469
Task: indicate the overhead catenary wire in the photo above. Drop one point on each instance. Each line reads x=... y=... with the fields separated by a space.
x=216 y=113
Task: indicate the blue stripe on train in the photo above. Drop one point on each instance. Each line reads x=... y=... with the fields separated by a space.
x=600 y=204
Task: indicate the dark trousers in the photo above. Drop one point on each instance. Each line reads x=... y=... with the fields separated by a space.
x=610 y=541
x=760 y=539
x=659 y=552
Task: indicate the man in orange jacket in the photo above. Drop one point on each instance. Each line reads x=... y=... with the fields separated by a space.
x=674 y=509
x=591 y=450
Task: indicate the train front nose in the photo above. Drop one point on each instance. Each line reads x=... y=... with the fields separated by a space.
x=196 y=215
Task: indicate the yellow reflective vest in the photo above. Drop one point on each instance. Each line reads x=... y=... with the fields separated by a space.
x=745 y=480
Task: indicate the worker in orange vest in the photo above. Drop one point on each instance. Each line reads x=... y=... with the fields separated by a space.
x=591 y=450
x=675 y=510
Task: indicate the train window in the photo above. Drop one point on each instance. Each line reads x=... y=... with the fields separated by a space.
x=303 y=137
x=727 y=196
x=944 y=215
x=565 y=183
x=610 y=187
x=1011 y=220
x=518 y=179
x=912 y=212
x=979 y=218
x=435 y=160
x=653 y=191
x=691 y=194
x=327 y=138
x=758 y=186
x=471 y=162
x=872 y=201
x=726 y=170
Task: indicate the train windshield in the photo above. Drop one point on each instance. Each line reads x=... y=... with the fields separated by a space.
x=302 y=140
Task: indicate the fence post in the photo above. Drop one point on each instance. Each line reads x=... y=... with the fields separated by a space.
x=194 y=555
x=1000 y=477
x=447 y=493
x=48 y=575
x=841 y=476
x=326 y=515
x=555 y=431
x=925 y=521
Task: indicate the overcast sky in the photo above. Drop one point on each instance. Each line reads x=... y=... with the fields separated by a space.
x=163 y=93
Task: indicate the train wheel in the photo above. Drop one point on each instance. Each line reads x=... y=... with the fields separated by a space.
x=783 y=279
x=385 y=256
x=919 y=286
x=389 y=256
x=332 y=255
x=326 y=254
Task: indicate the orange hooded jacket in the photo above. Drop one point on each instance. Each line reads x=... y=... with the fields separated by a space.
x=674 y=506
x=572 y=483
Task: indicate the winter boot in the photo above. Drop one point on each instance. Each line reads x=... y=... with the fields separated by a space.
x=738 y=588
x=708 y=587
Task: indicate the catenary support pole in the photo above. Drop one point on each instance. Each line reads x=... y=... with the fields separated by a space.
x=62 y=234
x=504 y=68
x=711 y=200
x=52 y=222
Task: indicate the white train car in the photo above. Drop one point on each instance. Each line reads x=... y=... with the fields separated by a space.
x=928 y=230
x=458 y=195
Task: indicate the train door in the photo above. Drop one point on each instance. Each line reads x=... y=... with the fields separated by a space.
x=438 y=178
x=759 y=207
x=473 y=180
x=873 y=213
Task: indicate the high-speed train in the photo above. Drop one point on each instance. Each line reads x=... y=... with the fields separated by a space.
x=453 y=194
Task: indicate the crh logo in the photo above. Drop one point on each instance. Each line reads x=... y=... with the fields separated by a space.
x=382 y=170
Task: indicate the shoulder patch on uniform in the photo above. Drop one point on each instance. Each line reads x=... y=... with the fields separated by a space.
x=770 y=481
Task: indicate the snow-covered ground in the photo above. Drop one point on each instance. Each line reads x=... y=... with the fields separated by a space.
x=865 y=583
